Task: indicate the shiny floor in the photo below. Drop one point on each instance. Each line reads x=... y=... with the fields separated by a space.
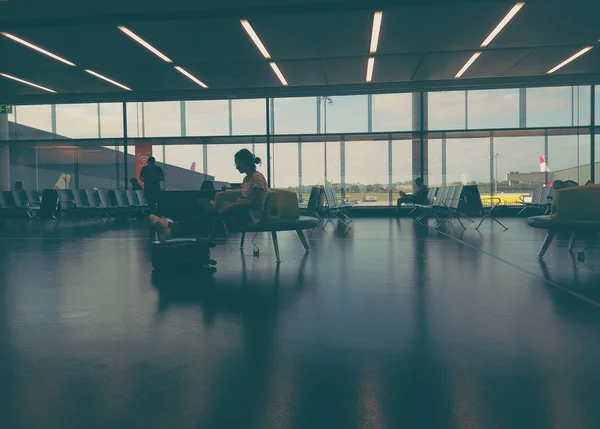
x=388 y=325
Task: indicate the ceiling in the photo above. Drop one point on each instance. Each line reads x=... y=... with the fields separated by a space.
x=320 y=46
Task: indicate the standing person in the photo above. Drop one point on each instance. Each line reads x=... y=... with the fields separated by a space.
x=249 y=208
x=152 y=175
x=18 y=185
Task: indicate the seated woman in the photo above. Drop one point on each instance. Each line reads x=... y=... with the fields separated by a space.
x=419 y=196
x=249 y=208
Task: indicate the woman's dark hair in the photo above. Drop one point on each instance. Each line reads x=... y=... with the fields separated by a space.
x=244 y=155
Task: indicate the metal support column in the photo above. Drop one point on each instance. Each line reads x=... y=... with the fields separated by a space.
x=143 y=121
x=268 y=116
x=370 y=113
x=182 y=118
x=76 y=168
x=53 y=119
x=99 y=121
x=466 y=110
x=546 y=173
x=125 y=146
x=444 y=167
x=493 y=184
x=300 y=186
x=593 y=134
x=318 y=100
x=522 y=107
x=230 y=110
x=4 y=154
x=390 y=169
x=343 y=166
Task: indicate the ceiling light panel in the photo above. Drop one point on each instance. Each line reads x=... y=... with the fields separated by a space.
x=26 y=82
x=370 y=66
x=190 y=76
x=145 y=44
x=510 y=15
x=37 y=48
x=279 y=74
x=467 y=64
x=377 y=17
x=255 y=38
x=98 y=75
x=570 y=59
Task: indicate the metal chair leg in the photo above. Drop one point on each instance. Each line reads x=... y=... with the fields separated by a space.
x=276 y=246
x=572 y=241
x=498 y=222
x=547 y=241
x=302 y=239
x=242 y=243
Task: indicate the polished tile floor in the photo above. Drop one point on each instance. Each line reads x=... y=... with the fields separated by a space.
x=386 y=326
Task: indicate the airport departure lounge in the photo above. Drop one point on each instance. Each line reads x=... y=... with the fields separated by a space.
x=299 y=214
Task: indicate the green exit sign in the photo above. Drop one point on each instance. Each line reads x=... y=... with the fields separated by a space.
x=6 y=108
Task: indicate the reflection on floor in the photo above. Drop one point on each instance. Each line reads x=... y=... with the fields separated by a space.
x=389 y=325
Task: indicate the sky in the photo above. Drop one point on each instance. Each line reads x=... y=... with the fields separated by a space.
x=368 y=162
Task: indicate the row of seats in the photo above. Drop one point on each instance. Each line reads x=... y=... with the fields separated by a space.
x=99 y=204
x=541 y=198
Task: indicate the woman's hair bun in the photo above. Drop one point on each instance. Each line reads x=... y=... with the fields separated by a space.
x=257 y=160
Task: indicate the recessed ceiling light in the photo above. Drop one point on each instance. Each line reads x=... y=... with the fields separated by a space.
x=26 y=82
x=190 y=76
x=568 y=60
x=144 y=44
x=98 y=75
x=279 y=74
x=255 y=38
x=468 y=64
x=510 y=15
x=375 y=31
x=37 y=48
x=370 y=65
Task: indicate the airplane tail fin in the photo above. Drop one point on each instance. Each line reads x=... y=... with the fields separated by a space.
x=193 y=167
x=543 y=165
x=63 y=181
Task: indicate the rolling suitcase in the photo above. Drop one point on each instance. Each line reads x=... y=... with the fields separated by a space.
x=182 y=254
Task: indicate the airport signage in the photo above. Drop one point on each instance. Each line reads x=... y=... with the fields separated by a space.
x=6 y=108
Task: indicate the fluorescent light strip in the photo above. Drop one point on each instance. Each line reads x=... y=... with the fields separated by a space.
x=468 y=64
x=27 y=82
x=37 y=48
x=255 y=38
x=510 y=15
x=370 y=66
x=568 y=60
x=375 y=32
x=98 y=75
x=279 y=74
x=144 y=44
x=190 y=76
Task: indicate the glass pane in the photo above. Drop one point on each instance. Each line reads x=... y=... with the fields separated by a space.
x=162 y=119
x=77 y=120
x=295 y=115
x=498 y=108
x=582 y=103
x=446 y=110
x=334 y=166
x=517 y=165
x=402 y=173
x=284 y=158
x=111 y=120
x=184 y=166
x=95 y=168
x=134 y=120
x=346 y=114
x=313 y=166
x=207 y=118
x=392 y=112
x=569 y=158
x=549 y=107
x=249 y=117
x=38 y=118
x=221 y=163
x=367 y=174
x=436 y=167
x=471 y=169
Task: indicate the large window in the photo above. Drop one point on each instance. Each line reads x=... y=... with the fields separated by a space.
x=367 y=173
x=446 y=110
x=497 y=108
x=284 y=164
x=111 y=120
x=558 y=106
x=569 y=157
x=346 y=114
x=470 y=169
x=313 y=164
x=37 y=121
x=249 y=117
x=295 y=115
x=162 y=119
x=207 y=118
x=392 y=112
x=516 y=163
